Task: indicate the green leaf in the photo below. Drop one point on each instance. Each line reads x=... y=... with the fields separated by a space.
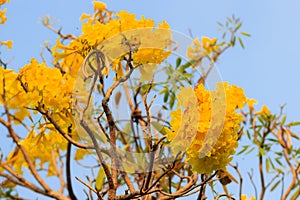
x=250 y=150
x=275 y=185
x=248 y=134
x=220 y=24
x=295 y=194
x=273 y=140
x=160 y=128
x=166 y=96
x=238 y=27
x=278 y=153
x=164 y=107
x=186 y=76
x=279 y=170
x=100 y=179
x=233 y=17
x=294 y=124
x=278 y=161
x=229 y=20
x=172 y=100
x=245 y=34
x=261 y=120
x=163 y=90
x=262 y=152
x=268 y=165
x=272 y=165
x=183 y=67
x=243 y=150
x=224 y=35
x=178 y=62
x=233 y=41
x=241 y=43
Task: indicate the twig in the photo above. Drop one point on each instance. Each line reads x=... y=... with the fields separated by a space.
x=203 y=183
x=223 y=195
x=81 y=181
x=99 y=154
x=294 y=173
x=68 y=172
x=253 y=184
x=62 y=132
x=58 y=32
x=241 y=179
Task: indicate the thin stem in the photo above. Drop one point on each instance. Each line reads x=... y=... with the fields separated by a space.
x=68 y=172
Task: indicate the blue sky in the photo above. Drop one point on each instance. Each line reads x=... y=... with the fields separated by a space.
x=268 y=68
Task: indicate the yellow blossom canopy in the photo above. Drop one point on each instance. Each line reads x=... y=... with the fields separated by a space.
x=215 y=139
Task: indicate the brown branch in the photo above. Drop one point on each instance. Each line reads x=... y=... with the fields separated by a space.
x=99 y=154
x=25 y=183
x=14 y=180
x=58 y=32
x=112 y=128
x=241 y=178
x=294 y=173
x=192 y=180
x=68 y=172
x=62 y=132
x=90 y=188
x=223 y=195
x=127 y=94
x=27 y=158
x=203 y=183
x=262 y=180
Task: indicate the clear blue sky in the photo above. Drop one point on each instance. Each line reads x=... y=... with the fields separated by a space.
x=268 y=69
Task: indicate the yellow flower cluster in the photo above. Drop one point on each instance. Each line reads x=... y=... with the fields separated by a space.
x=215 y=137
x=35 y=85
x=46 y=86
x=198 y=50
x=38 y=85
x=42 y=148
x=14 y=93
x=116 y=37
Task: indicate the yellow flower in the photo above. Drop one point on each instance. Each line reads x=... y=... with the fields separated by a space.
x=264 y=111
x=245 y=197
x=84 y=16
x=250 y=103
x=197 y=50
x=2 y=16
x=7 y=43
x=208 y=44
x=2 y=2
x=99 y=6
